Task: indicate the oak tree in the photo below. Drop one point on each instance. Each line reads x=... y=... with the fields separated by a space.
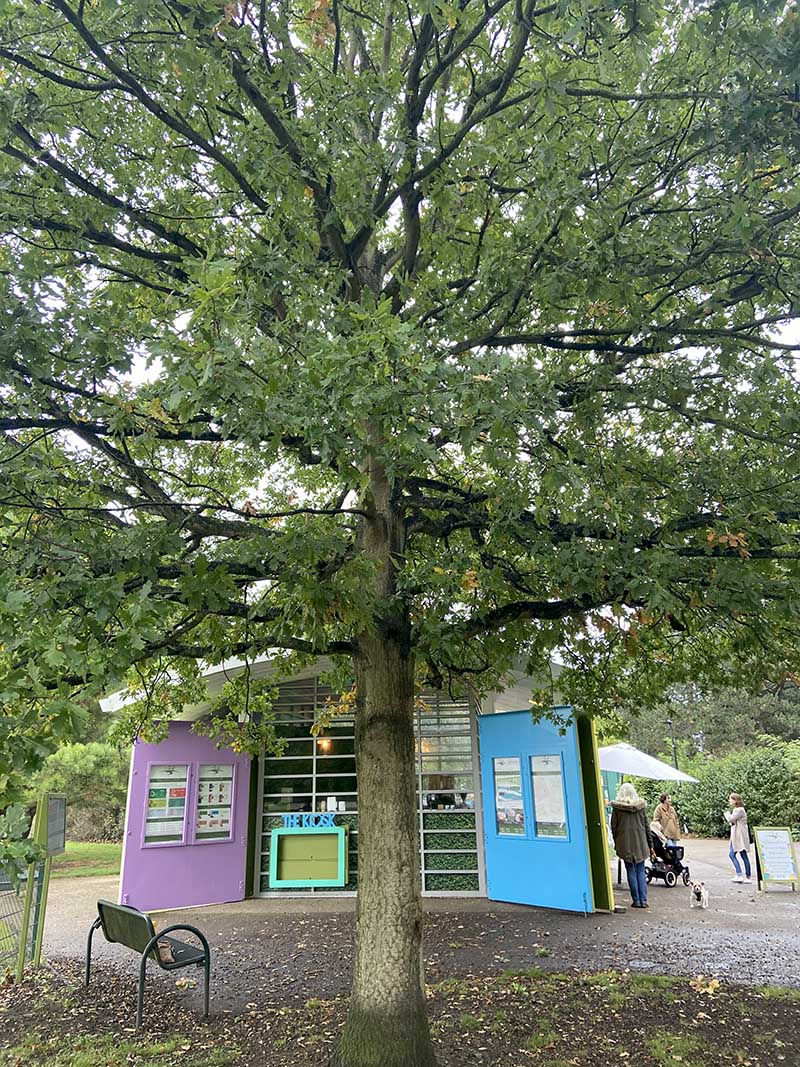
x=419 y=334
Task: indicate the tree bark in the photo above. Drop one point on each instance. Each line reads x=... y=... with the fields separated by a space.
x=387 y=1024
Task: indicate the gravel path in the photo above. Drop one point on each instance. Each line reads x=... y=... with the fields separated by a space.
x=293 y=949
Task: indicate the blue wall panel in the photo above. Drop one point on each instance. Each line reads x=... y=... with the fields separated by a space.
x=534 y=826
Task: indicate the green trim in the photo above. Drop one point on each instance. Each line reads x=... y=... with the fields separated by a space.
x=252 y=833
x=284 y=832
x=37 y=948
x=26 y=920
x=39 y=835
x=594 y=814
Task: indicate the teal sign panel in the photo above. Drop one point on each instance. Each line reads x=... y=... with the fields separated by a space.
x=308 y=857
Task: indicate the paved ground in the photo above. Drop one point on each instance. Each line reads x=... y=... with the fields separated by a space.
x=292 y=949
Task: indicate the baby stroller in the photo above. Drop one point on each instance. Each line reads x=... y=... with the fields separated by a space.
x=667 y=863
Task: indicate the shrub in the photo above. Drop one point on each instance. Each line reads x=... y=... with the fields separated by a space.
x=94 y=777
x=767 y=776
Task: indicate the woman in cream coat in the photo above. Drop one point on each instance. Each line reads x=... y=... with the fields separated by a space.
x=740 y=837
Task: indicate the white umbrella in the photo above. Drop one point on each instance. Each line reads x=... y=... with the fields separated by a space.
x=625 y=759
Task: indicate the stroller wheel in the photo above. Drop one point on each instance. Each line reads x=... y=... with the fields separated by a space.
x=670 y=878
x=685 y=876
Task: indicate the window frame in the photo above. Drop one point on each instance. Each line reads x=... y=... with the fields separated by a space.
x=188 y=835
x=187 y=785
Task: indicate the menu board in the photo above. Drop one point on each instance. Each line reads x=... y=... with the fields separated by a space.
x=166 y=803
x=214 y=802
x=775 y=850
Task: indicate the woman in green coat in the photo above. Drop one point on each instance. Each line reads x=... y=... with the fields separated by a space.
x=633 y=841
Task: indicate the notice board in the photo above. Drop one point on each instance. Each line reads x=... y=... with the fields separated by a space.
x=776 y=856
x=308 y=857
x=56 y=823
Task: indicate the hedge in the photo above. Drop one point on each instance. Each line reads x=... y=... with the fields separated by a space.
x=767 y=777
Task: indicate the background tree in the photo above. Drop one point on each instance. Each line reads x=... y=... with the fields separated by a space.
x=766 y=774
x=420 y=335
x=94 y=777
x=715 y=723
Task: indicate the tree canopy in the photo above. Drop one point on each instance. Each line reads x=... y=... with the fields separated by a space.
x=713 y=724
x=428 y=333
x=532 y=260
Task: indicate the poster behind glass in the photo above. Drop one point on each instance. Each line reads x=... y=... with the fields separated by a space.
x=549 y=808
x=508 y=803
x=165 y=819
x=214 y=802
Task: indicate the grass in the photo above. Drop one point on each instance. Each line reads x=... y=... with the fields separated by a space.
x=646 y=983
x=109 y=1050
x=523 y=972
x=779 y=993
x=84 y=859
x=469 y=1022
x=524 y=1017
x=669 y=1050
x=544 y=1037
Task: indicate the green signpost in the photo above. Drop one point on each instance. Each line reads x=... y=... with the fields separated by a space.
x=48 y=831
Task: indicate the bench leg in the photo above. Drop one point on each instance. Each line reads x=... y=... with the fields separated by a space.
x=140 y=996
x=207 y=973
x=92 y=929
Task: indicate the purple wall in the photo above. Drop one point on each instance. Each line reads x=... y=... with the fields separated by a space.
x=179 y=875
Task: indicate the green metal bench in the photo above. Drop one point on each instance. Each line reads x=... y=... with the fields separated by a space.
x=133 y=929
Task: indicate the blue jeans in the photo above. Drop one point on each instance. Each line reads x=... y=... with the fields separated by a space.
x=745 y=861
x=637 y=880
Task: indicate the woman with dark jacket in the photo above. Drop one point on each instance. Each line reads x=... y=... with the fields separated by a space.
x=633 y=841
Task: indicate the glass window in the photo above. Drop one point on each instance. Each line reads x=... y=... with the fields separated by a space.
x=508 y=803
x=549 y=808
x=214 y=821
x=280 y=803
x=165 y=817
x=283 y=766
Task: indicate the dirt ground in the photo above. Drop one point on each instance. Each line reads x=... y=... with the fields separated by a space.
x=508 y=985
x=517 y=1017
x=292 y=949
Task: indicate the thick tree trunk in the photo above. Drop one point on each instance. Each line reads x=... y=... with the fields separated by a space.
x=386 y=1024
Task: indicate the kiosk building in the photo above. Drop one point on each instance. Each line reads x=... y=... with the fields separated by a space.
x=508 y=808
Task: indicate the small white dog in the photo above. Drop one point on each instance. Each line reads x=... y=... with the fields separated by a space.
x=698 y=895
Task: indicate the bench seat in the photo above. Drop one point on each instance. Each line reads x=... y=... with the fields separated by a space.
x=126 y=926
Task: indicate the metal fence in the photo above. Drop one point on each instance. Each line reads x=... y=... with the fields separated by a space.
x=21 y=915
